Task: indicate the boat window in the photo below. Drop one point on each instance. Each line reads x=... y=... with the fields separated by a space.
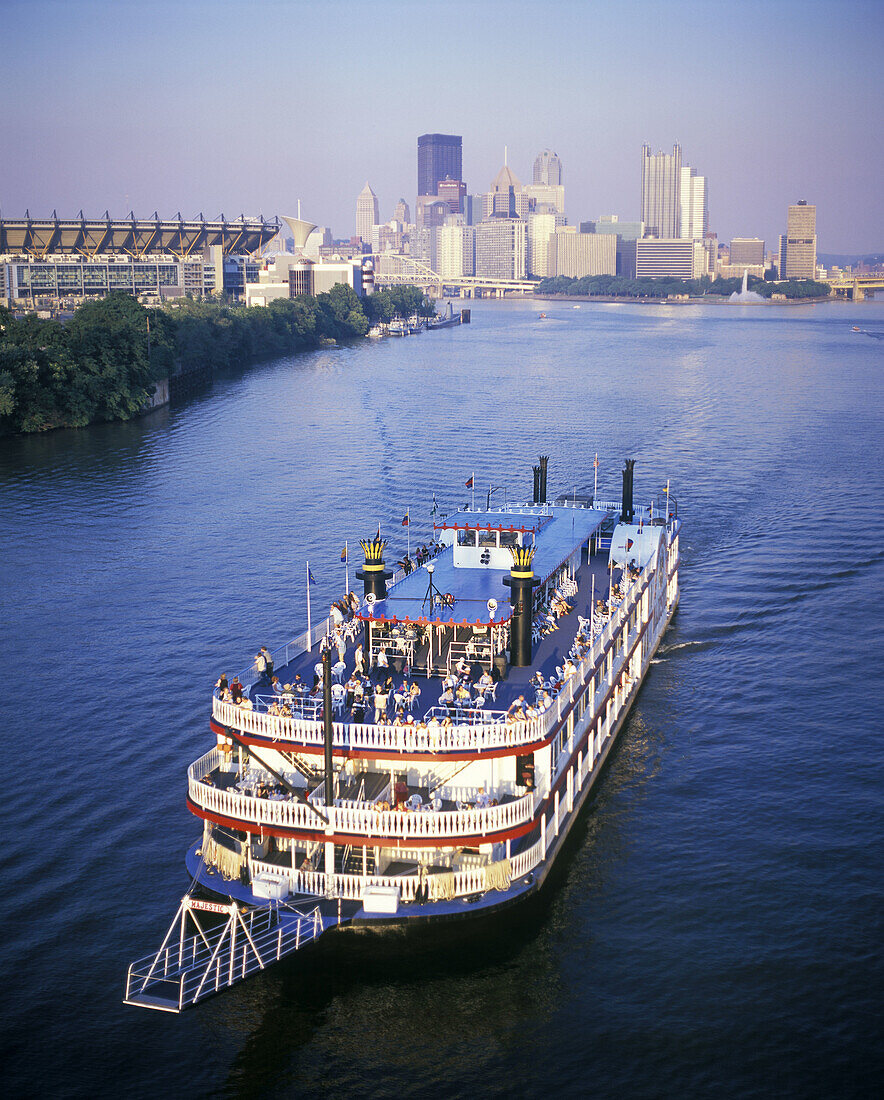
x=466 y=538
x=488 y=538
x=509 y=539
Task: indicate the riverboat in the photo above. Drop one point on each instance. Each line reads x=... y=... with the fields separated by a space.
x=515 y=648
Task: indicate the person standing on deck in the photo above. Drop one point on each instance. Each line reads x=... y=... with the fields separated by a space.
x=268 y=661
x=360 y=661
x=260 y=667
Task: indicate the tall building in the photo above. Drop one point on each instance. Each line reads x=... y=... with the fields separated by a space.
x=798 y=246
x=507 y=198
x=693 y=215
x=438 y=156
x=661 y=192
x=452 y=192
x=548 y=169
x=502 y=248
x=455 y=249
x=402 y=213
x=367 y=216
x=541 y=228
x=579 y=254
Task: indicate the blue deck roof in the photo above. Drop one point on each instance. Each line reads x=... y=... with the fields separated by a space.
x=563 y=531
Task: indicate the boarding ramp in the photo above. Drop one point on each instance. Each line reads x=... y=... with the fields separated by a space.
x=202 y=955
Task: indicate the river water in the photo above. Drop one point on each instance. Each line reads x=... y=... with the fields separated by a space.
x=716 y=927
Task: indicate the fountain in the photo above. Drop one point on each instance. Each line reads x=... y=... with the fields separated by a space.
x=746 y=296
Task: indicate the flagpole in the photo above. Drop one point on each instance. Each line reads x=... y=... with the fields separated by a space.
x=309 y=624
x=472 y=491
x=408 y=530
x=595 y=482
x=346 y=567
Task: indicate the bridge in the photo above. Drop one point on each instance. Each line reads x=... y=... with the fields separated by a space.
x=391 y=269
x=856 y=286
x=90 y=237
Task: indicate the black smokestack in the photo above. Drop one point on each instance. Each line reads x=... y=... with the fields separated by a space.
x=544 y=461
x=628 y=512
x=536 y=484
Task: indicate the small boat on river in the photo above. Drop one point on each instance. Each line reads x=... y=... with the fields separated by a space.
x=419 y=758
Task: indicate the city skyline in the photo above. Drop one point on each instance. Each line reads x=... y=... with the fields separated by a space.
x=764 y=125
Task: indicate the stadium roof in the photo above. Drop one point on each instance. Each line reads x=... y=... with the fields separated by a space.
x=132 y=236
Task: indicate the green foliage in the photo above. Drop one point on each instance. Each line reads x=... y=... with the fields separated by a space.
x=615 y=286
x=99 y=365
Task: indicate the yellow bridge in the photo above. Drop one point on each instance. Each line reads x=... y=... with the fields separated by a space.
x=856 y=286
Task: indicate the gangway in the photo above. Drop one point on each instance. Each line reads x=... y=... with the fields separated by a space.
x=197 y=959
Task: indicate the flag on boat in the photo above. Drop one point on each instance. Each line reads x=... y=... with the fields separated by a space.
x=469 y=484
x=629 y=544
x=344 y=554
x=405 y=520
x=435 y=508
x=310 y=578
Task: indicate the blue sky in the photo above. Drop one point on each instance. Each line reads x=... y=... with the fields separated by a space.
x=248 y=106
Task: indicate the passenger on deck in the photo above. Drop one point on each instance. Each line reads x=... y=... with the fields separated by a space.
x=360 y=660
x=236 y=690
x=569 y=669
x=350 y=687
x=516 y=705
x=268 y=661
x=222 y=684
x=275 y=685
x=482 y=799
x=380 y=703
x=537 y=679
x=381 y=661
x=446 y=699
x=414 y=695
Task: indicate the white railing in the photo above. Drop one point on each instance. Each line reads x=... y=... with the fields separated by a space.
x=366 y=737
x=470 y=880
x=362 y=820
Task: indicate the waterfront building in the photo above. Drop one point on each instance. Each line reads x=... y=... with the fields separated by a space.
x=693 y=215
x=502 y=248
x=671 y=257
x=47 y=262
x=541 y=228
x=367 y=216
x=661 y=192
x=797 y=258
x=746 y=251
x=578 y=254
x=455 y=249
x=438 y=156
x=548 y=169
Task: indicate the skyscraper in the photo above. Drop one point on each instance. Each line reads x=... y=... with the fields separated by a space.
x=438 y=156
x=661 y=192
x=548 y=169
x=402 y=213
x=693 y=205
x=367 y=216
x=798 y=246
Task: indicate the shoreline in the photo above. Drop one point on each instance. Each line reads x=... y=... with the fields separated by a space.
x=715 y=299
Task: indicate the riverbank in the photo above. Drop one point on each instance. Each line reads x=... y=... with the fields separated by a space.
x=702 y=299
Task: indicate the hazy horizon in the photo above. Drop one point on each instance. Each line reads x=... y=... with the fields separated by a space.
x=217 y=107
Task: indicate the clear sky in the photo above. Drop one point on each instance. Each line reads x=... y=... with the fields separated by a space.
x=210 y=105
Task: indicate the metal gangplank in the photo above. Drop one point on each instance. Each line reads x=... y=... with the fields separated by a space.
x=198 y=958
